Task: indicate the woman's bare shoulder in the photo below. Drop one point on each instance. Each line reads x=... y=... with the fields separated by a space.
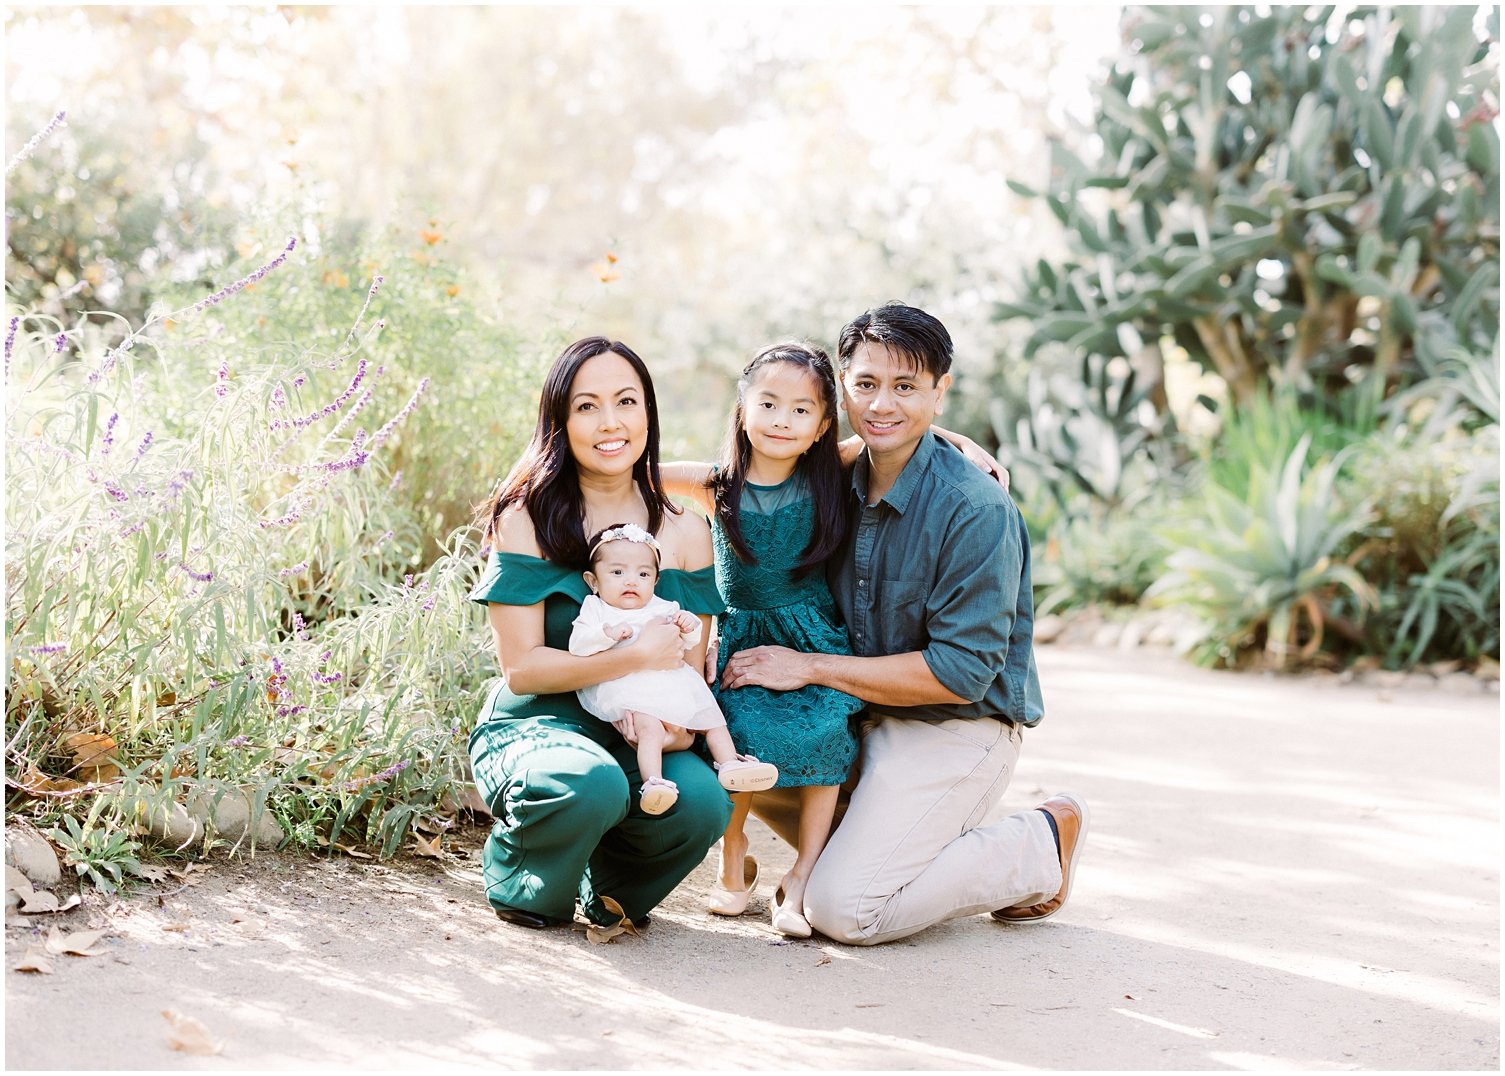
x=515 y=533
x=686 y=541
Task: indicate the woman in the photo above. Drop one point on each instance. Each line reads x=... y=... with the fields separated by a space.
x=557 y=780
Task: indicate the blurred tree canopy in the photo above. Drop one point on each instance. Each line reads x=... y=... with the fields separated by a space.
x=1301 y=195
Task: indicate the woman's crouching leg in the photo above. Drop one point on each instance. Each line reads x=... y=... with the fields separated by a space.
x=554 y=793
x=641 y=861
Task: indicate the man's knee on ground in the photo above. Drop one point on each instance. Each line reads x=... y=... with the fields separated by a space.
x=834 y=912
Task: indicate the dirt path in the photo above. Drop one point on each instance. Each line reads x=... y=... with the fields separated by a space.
x=1281 y=873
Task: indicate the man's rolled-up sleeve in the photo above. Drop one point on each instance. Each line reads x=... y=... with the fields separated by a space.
x=970 y=610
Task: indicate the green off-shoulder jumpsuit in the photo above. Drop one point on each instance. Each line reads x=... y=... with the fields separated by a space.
x=562 y=784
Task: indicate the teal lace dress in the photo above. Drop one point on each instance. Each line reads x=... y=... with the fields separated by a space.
x=806 y=733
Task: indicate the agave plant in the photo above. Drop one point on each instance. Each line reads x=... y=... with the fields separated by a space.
x=1265 y=568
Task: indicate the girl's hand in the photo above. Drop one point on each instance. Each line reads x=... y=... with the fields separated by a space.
x=688 y=623
x=658 y=646
x=712 y=650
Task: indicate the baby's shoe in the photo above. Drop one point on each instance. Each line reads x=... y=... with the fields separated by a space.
x=657 y=795
x=747 y=774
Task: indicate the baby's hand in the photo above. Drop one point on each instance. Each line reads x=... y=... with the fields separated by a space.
x=617 y=632
x=687 y=623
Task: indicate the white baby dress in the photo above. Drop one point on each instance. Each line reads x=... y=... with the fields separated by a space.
x=677 y=696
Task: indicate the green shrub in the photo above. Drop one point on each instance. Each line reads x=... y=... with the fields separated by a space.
x=1262 y=569
x=215 y=577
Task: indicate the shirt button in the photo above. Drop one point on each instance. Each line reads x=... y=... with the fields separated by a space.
x=862 y=582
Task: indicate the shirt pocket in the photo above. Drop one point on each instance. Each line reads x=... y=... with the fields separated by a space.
x=901 y=613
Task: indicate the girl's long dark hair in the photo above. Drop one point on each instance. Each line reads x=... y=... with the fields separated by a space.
x=821 y=463
x=545 y=480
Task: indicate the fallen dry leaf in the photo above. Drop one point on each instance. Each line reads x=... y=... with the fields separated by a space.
x=92 y=757
x=822 y=961
x=427 y=849
x=190 y=1036
x=153 y=873
x=175 y=928
x=601 y=935
x=34 y=960
x=78 y=944
x=15 y=880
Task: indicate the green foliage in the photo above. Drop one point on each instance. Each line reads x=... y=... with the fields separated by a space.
x=213 y=565
x=100 y=852
x=1291 y=194
x=1088 y=555
x=1262 y=569
x=108 y=234
x=1096 y=433
x=1433 y=550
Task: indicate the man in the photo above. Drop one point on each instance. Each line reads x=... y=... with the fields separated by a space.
x=934 y=585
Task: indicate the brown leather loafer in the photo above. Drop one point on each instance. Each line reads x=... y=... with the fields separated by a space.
x=1070 y=812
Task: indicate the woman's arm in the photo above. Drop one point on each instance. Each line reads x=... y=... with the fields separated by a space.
x=693 y=480
x=531 y=667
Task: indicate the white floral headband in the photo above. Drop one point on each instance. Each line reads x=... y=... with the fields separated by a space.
x=627 y=532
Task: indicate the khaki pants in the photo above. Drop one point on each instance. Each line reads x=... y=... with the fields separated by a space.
x=917 y=842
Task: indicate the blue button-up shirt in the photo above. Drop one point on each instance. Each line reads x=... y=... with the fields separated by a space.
x=940 y=565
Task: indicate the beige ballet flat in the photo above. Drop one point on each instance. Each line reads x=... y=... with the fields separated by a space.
x=788 y=921
x=724 y=901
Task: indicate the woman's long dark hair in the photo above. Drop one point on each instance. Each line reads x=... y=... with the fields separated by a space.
x=545 y=480
x=821 y=463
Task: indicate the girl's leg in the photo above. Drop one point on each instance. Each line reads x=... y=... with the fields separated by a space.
x=817 y=807
x=734 y=844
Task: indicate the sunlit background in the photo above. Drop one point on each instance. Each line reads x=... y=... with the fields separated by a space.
x=754 y=173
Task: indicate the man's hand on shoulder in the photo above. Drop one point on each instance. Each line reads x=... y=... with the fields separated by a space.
x=775 y=667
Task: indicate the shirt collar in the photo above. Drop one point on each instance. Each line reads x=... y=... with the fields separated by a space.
x=898 y=497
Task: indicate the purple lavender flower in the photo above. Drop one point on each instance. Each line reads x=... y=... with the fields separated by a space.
x=115 y=491
x=109 y=437
x=299 y=381
x=300 y=629
x=331 y=678
x=429 y=604
x=36 y=140
x=112 y=357
x=296 y=569
x=221 y=377
x=178 y=484
x=10 y=340
x=202 y=577
x=225 y=292
x=279 y=398
x=133 y=528
x=385 y=535
x=48 y=648
x=60 y=342
x=238 y=741
x=289 y=711
x=386 y=431
x=396 y=481
x=330 y=408
x=407 y=580
x=146 y=442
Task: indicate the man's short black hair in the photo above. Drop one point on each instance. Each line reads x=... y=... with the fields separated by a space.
x=904 y=328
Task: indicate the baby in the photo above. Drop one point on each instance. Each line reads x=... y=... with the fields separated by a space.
x=624 y=567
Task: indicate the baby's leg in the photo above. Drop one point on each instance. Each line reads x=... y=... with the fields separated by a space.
x=657 y=794
x=738 y=773
x=651 y=739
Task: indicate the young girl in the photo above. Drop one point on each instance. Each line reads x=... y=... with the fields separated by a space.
x=777 y=508
x=624 y=563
